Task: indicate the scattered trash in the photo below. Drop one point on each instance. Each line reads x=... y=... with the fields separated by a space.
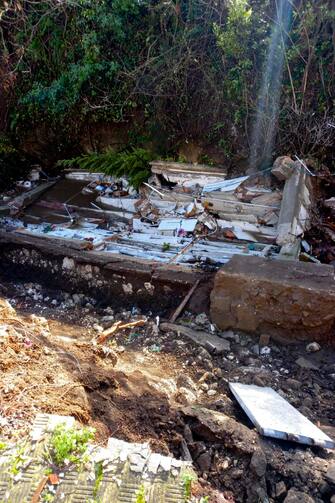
x=265 y=351
x=154 y=348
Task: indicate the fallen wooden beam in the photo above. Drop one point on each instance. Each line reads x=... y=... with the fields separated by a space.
x=23 y=200
x=161 y=167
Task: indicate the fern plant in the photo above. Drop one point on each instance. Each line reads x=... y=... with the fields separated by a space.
x=133 y=163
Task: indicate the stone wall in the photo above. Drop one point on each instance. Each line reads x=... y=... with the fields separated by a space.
x=108 y=279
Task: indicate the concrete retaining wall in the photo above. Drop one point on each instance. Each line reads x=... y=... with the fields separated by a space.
x=286 y=299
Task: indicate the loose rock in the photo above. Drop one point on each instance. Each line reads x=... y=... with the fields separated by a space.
x=294 y=496
x=280 y=489
x=306 y=364
x=204 y=461
x=258 y=463
x=313 y=347
x=330 y=475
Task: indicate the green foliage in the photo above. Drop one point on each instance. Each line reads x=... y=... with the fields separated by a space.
x=17 y=460
x=133 y=163
x=68 y=444
x=176 y=68
x=188 y=479
x=48 y=498
x=99 y=473
x=3 y=446
x=237 y=24
x=6 y=146
x=140 y=496
x=76 y=60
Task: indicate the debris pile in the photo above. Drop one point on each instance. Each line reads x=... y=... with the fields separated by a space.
x=184 y=214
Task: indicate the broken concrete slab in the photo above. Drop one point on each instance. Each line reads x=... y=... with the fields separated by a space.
x=274 y=417
x=294 y=216
x=225 y=185
x=179 y=172
x=210 y=342
x=285 y=299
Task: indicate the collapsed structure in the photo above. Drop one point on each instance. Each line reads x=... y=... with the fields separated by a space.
x=189 y=215
x=183 y=224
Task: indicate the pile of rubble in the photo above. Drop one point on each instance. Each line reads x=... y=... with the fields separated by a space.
x=184 y=214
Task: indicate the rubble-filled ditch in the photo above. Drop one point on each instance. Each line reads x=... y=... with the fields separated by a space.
x=140 y=384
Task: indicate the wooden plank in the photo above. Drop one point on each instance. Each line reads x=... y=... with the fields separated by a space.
x=77 y=244
x=23 y=200
x=159 y=167
x=182 y=305
x=204 y=339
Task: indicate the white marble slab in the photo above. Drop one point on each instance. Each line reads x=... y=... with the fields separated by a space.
x=274 y=417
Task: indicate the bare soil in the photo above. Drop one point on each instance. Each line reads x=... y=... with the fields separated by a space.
x=136 y=387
